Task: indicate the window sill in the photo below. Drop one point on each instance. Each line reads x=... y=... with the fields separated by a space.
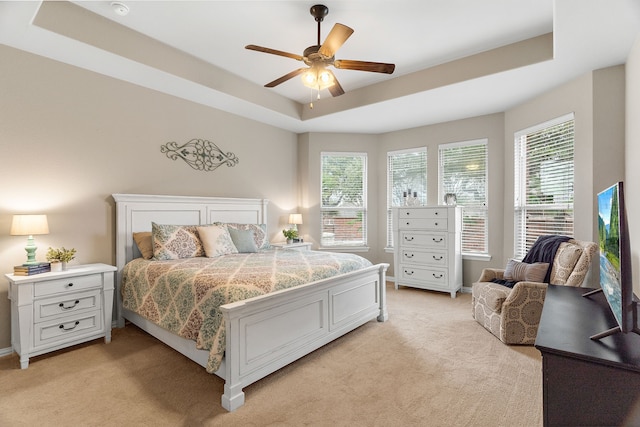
x=476 y=257
x=344 y=248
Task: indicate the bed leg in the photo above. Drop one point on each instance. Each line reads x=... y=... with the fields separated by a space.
x=233 y=398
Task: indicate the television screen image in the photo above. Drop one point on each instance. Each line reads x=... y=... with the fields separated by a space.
x=615 y=260
x=609 y=240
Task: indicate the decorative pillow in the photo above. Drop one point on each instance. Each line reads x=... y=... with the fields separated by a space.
x=216 y=241
x=243 y=240
x=259 y=231
x=175 y=241
x=144 y=243
x=522 y=272
x=563 y=264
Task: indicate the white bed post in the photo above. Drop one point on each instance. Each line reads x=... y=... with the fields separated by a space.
x=384 y=315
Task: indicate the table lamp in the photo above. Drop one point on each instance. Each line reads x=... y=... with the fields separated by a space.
x=295 y=219
x=28 y=225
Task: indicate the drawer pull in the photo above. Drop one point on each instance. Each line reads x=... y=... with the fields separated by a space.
x=69 y=285
x=77 y=322
x=437 y=240
x=408 y=255
x=408 y=223
x=408 y=273
x=408 y=238
x=439 y=258
x=407 y=213
x=62 y=306
x=437 y=276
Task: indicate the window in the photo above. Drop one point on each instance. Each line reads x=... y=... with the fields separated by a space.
x=406 y=171
x=344 y=199
x=463 y=172
x=543 y=182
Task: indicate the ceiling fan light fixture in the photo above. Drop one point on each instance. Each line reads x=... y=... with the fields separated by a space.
x=317 y=78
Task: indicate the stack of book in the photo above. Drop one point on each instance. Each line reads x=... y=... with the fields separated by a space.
x=28 y=270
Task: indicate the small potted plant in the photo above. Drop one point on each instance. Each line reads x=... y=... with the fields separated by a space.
x=60 y=257
x=290 y=234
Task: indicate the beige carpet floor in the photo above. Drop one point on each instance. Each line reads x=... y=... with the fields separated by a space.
x=430 y=364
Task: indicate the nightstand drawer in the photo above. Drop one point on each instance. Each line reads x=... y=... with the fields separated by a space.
x=70 y=284
x=65 y=304
x=68 y=328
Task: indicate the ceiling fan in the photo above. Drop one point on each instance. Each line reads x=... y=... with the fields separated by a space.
x=318 y=57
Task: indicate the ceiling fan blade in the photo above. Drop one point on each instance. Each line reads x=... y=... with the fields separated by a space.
x=336 y=38
x=335 y=89
x=286 y=77
x=376 y=67
x=273 y=51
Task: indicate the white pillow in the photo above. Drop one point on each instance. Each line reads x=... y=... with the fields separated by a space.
x=216 y=241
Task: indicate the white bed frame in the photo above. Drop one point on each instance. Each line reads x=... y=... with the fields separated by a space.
x=264 y=333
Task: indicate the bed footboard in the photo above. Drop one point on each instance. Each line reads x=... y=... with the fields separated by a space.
x=266 y=333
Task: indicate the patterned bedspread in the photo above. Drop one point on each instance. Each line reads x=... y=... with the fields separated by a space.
x=184 y=295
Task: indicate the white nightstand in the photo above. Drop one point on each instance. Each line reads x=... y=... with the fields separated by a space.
x=50 y=311
x=294 y=246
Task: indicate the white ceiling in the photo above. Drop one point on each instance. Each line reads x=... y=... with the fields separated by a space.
x=416 y=35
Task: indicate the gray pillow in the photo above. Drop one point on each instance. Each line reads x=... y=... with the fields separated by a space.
x=244 y=240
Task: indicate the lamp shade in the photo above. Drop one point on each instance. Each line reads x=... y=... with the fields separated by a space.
x=28 y=225
x=295 y=218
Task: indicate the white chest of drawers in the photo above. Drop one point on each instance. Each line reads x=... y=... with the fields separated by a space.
x=427 y=243
x=50 y=311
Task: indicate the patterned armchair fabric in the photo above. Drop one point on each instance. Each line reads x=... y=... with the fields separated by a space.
x=513 y=315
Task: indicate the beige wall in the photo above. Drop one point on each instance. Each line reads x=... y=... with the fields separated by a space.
x=70 y=138
x=311 y=145
x=632 y=154
x=490 y=127
x=597 y=100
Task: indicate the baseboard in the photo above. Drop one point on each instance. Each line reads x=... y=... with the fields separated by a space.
x=464 y=289
x=6 y=351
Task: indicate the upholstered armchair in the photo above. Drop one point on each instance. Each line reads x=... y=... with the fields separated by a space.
x=513 y=314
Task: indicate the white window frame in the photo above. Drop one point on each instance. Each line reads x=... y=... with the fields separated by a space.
x=523 y=239
x=469 y=211
x=393 y=202
x=326 y=242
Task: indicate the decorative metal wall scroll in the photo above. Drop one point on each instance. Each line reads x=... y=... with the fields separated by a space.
x=200 y=154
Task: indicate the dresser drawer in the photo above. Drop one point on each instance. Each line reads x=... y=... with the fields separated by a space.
x=435 y=258
x=70 y=284
x=67 y=328
x=423 y=223
x=62 y=305
x=406 y=213
x=437 y=276
x=414 y=239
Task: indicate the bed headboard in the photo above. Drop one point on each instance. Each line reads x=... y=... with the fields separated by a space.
x=135 y=212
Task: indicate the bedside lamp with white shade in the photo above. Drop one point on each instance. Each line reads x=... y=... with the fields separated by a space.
x=29 y=225
x=295 y=219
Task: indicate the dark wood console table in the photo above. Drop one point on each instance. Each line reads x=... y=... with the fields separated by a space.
x=586 y=382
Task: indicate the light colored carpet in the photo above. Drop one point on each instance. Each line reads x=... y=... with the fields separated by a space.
x=430 y=364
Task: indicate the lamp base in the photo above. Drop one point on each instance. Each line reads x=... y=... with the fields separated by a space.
x=31 y=251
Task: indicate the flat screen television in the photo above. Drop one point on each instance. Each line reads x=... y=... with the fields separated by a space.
x=615 y=261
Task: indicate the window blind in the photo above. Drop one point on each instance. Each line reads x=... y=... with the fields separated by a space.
x=406 y=170
x=544 y=179
x=463 y=172
x=343 y=199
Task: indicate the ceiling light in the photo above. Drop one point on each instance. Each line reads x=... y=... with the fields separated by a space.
x=120 y=8
x=317 y=77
